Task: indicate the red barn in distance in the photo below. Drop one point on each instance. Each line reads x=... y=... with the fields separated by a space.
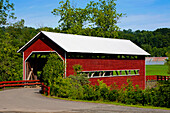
x=110 y=60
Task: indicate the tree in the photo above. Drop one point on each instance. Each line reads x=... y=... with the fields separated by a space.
x=10 y=60
x=101 y=15
x=70 y=17
x=147 y=47
x=19 y=24
x=6 y=12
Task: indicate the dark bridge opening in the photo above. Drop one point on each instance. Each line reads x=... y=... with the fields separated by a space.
x=35 y=64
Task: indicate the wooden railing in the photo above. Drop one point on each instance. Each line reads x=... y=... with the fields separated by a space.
x=157 y=78
x=45 y=89
x=163 y=78
x=151 y=77
x=19 y=83
x=25 y=83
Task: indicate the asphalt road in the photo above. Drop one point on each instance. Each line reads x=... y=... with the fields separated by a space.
x=25 y=100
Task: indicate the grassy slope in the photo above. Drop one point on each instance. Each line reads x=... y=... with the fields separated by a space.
x=156 y=70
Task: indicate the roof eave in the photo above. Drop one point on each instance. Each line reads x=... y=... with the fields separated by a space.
x=138 y=54
x=54 y=42
x=23 y=47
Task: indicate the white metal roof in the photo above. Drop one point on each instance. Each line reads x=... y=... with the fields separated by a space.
x=88 y=44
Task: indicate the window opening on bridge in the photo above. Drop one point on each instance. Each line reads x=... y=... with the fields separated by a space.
x=100 y=56
x=111 y=73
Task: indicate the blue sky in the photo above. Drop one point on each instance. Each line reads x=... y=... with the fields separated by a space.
x=140 y=14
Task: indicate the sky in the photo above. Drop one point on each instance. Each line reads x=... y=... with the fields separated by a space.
x=140 y=14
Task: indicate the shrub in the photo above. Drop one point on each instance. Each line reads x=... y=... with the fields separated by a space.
x=53 y=69
x=77 y=68
x=79 y=77
x=162 y=93
x=159 y=96
x=61 y=87
x=77 y=87
x=104 y=90
x=139 y=95
x=87 y=92
x=113 y=95
x=90 y=92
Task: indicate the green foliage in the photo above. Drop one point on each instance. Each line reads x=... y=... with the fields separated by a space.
x=101 y=14
x=159 y=96
x=128 y=94
x=104 y=90
x=77 y=69
x=11 y=39
x=66 y=88
x=19 y=24
x=113 y=95
x=79 y=77
x=155 y=42
x=6 y=12
x=71 y=18
x=90 y=92
x=10 y=60
x=53 y=76
x=53 y=69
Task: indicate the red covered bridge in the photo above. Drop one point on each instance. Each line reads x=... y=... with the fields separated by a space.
x=110 y=60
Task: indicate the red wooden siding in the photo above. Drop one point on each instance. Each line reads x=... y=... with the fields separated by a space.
x=111 y=64
x=41 y=45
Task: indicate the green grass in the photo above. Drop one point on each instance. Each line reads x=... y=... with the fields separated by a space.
x=114 y=103
x=157 y=70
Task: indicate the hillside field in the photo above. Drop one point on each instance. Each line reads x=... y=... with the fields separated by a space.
x=156 y=70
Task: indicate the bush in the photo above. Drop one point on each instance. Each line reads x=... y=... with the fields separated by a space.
x=90 y=93
x=113 y=95
x=159 y=96
x=53 y=69
x=104 y=90
x=78 y=76
x=61 y=87
x=77 y=87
